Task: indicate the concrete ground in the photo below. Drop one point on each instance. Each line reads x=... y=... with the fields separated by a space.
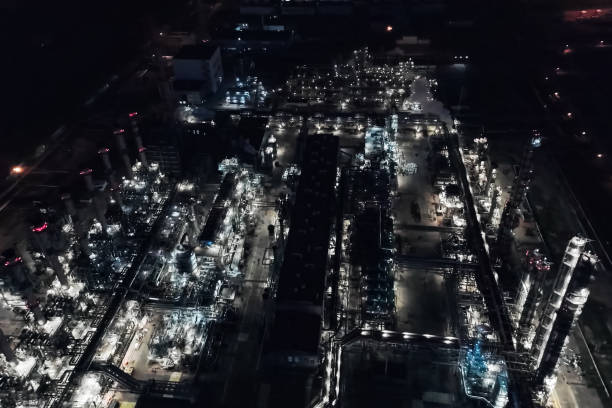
x=416 y=236
x=421 y=297
x=421 y=302
x=415 y=187
x=573 y=388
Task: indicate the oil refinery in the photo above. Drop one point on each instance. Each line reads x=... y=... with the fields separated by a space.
x=352 y=247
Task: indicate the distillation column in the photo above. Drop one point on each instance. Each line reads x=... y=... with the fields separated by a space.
x=573 y=252
x=529 y=296
x=571 y=307
x=124 y=152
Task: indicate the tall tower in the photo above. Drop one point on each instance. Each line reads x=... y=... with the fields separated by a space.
x=571 y=307
x=573 y=253
x=98 y=201
x=510 y=215
x=119 y=135
x=529 y=295
x=136 y=133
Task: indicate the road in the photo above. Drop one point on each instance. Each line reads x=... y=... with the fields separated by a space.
x=241 y=362
x=245 y=339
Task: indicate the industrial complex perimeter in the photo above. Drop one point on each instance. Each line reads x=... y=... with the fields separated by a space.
x=354 y=248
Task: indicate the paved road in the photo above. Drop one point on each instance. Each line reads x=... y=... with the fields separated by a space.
x=242 y=360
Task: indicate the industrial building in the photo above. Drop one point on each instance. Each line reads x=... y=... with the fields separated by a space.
x=299 y=306
x=299 y=309
x=198 y=71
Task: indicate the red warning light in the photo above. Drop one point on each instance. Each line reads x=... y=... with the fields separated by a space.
x=17 y=259
x=41 y=228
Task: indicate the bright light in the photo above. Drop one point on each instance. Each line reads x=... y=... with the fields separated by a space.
x=599 y=155
x=40 y=228
x=17 y=170
x=389 y=28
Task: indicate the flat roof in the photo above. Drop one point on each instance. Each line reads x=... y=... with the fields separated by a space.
x=302 y=276
x=214 y=220
x=196 y=51
x=296 y=331
x=226 y=188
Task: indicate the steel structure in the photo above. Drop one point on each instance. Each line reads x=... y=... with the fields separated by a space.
x=571 y=307
x=520 y=186
x=529 y=296
x=572 y=255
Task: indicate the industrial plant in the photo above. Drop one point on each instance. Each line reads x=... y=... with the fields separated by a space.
x=351 y=246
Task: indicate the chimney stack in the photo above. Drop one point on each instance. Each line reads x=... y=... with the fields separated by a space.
x=58 y=268
x=105 y=159
x=119 y=134
x=108 y=168
x=26 y=256
x=116 y=194
x=87 y=175
x=100 y=216
x=69 y=203
x=97 y=201
x=139 y=145
x=142 y=154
